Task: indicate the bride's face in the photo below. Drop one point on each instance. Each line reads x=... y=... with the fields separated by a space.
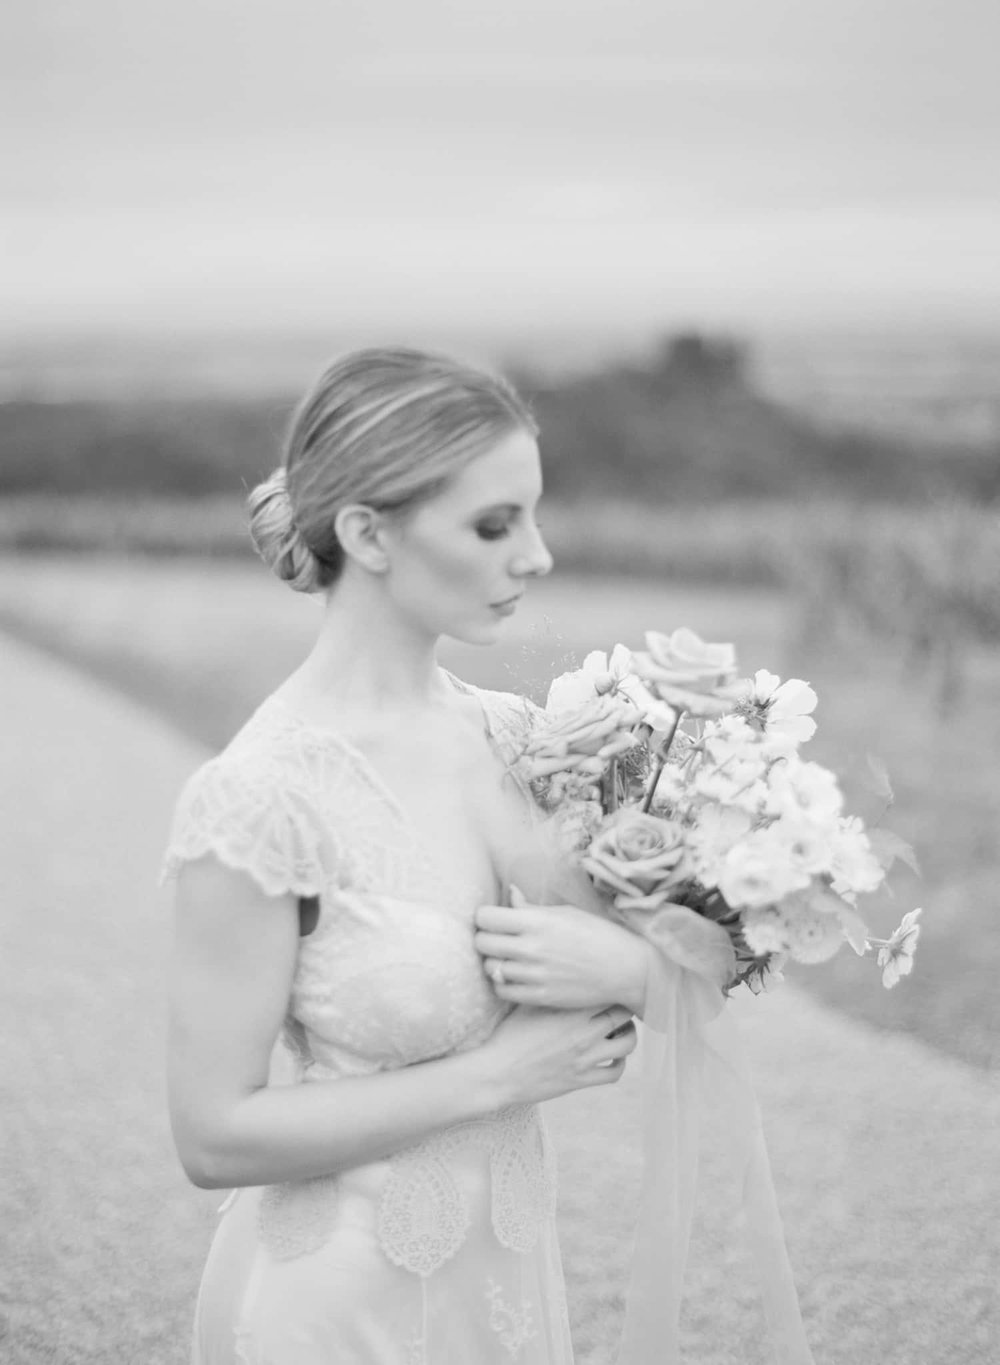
x=460 y=562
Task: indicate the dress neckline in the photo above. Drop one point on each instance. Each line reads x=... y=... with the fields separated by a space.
x=357 y=755
x=368 y=771
x=457 y=685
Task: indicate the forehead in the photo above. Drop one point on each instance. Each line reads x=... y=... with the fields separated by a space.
x=509 y=472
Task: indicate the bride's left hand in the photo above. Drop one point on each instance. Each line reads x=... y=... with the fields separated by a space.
x=560 y=957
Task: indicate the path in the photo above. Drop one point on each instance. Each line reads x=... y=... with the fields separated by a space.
x=885 y=1153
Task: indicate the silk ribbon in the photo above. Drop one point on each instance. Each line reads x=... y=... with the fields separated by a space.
x=692 y=1060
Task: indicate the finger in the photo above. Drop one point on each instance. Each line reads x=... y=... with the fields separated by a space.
x=612 y=1018
x=606 y=1075
x=517 y=896
x=499 y=945
x=614 y=1049
x=520 y=993
x=500 y=919
x=508 y=970
x=614 y=1063
x=624 y=1042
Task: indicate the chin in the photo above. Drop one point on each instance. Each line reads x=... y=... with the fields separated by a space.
x=477 y=633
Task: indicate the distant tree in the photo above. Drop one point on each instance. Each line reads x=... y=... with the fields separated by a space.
x=691 y=360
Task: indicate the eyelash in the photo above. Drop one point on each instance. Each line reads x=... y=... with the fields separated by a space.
x=498 y=532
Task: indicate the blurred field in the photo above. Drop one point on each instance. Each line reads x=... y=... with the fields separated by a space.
x=946 y=550
x=204 y=641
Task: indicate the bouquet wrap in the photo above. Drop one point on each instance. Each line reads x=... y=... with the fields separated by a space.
x=691 y=1050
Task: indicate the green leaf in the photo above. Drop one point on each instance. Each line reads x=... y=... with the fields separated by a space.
x=889 y=847
x=878 y=780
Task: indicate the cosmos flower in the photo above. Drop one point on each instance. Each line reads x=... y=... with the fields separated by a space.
x=895 y=955
x=780 y=709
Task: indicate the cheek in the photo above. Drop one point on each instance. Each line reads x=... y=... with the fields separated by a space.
x=457 y=563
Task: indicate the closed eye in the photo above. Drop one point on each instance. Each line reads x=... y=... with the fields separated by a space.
x=492 y=531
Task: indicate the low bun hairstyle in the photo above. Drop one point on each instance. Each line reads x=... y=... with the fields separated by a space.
x=383 y=427
x=277 y=537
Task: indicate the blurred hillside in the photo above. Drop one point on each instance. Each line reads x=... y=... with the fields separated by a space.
x=688 y=423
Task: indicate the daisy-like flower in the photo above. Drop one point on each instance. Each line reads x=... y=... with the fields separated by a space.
x=756 y=872
x=853 y=865
x=895 y=954
x=709 y=840
x=733 y=736
x=765 y=930
x=780 y=709
x=814 y=936
x=735 y=784
x=803 y=789
x=805 y=843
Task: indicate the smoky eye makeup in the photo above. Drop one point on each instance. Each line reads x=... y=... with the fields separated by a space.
x=495 y=522
x=492 y=530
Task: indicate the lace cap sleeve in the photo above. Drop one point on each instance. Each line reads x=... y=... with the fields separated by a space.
x=255 y=819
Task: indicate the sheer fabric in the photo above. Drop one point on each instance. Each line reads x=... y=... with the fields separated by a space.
x=447 y=1251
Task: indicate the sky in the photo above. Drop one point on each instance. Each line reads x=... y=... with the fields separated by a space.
x=233 y=164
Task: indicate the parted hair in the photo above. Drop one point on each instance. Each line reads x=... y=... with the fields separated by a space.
x=384 y=427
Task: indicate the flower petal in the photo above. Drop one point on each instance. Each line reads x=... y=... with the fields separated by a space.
x=793 y=698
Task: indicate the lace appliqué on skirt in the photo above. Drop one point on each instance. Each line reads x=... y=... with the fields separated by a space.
x=423 y=1215
x=296 y=1218
x=514 y=1326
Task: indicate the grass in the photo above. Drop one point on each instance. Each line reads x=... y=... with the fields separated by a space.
x=203 y=642
x=877 y=1145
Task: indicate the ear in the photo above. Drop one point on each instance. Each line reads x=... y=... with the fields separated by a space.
x=359 y=531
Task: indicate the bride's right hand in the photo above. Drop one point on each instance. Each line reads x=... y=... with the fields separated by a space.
x=537 y=1054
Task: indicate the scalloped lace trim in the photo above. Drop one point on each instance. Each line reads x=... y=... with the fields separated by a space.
x=423 y=1216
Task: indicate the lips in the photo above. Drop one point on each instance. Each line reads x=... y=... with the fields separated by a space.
x=508 y=601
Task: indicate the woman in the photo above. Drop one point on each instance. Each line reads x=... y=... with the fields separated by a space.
x=344 y=881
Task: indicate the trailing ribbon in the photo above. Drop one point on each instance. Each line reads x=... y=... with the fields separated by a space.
x=692 y=1051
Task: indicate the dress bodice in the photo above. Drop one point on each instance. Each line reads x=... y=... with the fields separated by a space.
x=388 y=977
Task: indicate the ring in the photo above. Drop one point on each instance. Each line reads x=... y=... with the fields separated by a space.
x=497 y=974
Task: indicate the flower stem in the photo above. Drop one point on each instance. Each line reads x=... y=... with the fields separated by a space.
x=611 y=788
x=661 y=762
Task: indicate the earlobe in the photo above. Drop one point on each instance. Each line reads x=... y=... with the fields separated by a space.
x=359 y=531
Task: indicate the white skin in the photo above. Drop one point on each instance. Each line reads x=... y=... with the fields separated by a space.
x=440 y=569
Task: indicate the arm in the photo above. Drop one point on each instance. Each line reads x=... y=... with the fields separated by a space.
x=231 y=972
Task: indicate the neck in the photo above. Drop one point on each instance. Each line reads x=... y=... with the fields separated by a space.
x=367 y=657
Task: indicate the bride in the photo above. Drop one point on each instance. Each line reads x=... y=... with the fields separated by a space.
x=344 y=872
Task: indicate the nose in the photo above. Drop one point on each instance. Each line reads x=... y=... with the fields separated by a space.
x=533 y=559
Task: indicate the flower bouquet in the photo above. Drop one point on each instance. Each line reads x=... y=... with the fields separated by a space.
x=681 y=792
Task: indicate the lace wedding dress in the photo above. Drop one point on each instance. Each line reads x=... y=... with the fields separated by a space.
x=446 y=1253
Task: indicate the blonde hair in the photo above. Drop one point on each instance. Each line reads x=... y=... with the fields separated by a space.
x=382 y=427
